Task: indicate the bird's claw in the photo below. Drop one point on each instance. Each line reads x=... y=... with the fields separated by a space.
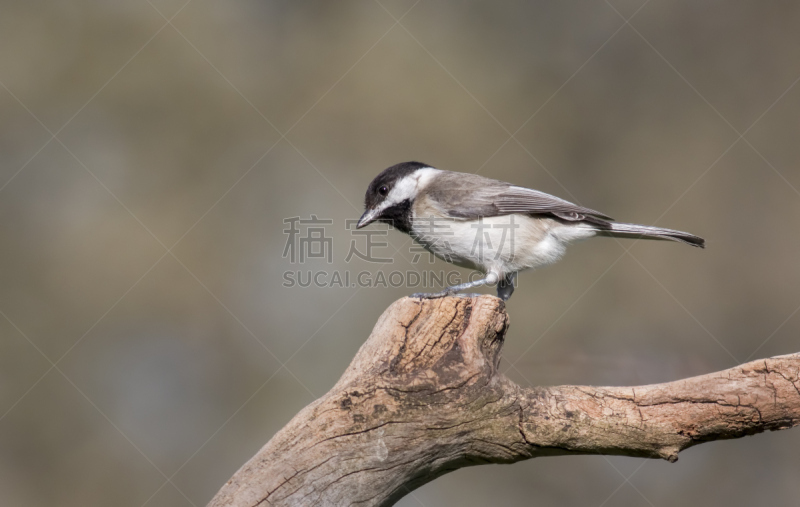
x=430 y=295
x=444 y=293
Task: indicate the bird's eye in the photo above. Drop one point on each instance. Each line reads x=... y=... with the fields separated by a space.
x=383 y=190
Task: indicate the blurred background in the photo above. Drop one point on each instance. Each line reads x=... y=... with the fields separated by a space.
x=150 y=152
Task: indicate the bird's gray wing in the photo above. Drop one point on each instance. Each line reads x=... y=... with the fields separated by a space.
x=471 y=196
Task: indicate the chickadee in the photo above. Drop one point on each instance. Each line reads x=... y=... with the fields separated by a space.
x=488 y=225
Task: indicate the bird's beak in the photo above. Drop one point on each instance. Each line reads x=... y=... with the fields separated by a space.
x=367 y=218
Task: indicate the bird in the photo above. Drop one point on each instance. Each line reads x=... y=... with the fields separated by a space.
x=487 y=225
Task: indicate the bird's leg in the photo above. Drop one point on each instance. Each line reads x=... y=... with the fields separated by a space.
x=491 y=279
x=506 y=286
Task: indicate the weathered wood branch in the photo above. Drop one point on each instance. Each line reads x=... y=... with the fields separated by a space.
x=424 y=396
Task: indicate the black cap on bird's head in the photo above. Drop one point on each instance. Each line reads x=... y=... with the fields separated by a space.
x=380 y=188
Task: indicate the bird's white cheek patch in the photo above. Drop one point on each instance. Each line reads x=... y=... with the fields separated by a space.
x=403 y=189
x=409 y=186
x=424 y=176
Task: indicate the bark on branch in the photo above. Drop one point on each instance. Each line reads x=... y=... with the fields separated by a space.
x=424 y=396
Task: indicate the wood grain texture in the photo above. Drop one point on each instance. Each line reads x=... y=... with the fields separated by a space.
x=424 y=396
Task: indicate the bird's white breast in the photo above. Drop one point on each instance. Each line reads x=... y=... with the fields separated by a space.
x=503 y=244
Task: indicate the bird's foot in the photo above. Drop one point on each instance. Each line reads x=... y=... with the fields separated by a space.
x=506 y=286
x=445 y=293
x=430 y=295
x=505 y=293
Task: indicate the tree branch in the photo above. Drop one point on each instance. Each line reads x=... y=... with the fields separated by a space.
x=424 y=397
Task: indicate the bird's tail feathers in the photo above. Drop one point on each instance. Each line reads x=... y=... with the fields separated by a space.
x=619 y=230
